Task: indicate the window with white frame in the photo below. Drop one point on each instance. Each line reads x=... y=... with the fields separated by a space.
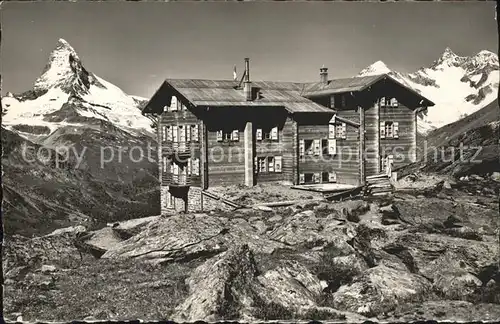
x=228 y=136
x=194 y=133
x=341 y=131
x=270 y=164
x=173 y=103
x=329 y=146
x=261 y=164
x=271 y=133
x=389 y=129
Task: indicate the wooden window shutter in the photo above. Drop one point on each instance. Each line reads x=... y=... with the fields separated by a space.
x=394 y=102
x=382 y=102
x=332 y=146
x=382 y=129
x=344 y=131
x=278 y=164
x=175 y=134
x=188 y=133
x=258 y=134
x=302 y=178
x=302 y=147
x=176 y=169
x=196 y=166
x=169 y=133
x=331 y=130
x=173 y=103
x=194 y=133
x=219 y=136
x=332 y=176
x=189 y=166
x=164 y=133
x=317 y=147
x=395 y=133
x=172 y=168
x=164 y=163
x=316 y=177
x=235 y=135
x=274 y=133
x=270 y=164
x=182 y=133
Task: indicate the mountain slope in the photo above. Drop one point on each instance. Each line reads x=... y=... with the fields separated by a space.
x=111 y=173
x=65 y=80
x=458 y=85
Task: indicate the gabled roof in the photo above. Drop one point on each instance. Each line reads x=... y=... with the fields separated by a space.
x=355 y=84
x=292 y=96
x=225 y=93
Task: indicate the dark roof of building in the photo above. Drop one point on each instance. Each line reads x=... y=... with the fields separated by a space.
x=226 y=93
x=293 y=96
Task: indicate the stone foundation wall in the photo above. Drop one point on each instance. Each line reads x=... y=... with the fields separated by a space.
x=196 y=202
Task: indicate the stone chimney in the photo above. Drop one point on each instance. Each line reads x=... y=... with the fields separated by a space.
x=247 y=87
x=323 y=75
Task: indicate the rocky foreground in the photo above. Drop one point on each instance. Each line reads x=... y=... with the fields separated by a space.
x=426 y=253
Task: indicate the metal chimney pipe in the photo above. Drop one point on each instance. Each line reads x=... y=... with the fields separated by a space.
x=247 y=87
x=247 y=69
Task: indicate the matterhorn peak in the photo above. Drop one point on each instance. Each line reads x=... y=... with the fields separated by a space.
x=64 y=70
x=378 y=67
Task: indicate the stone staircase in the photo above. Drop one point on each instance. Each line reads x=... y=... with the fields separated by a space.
x=378 y=185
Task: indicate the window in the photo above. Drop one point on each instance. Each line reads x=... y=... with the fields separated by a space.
x=382 y=102
x=270 y=164
x=235 y=135
x=308 y=147
x=258 y=134
x=194 y=133
x=316 y=177
x=173 y=103
x=195 y=166
x=341 y=130
x=324 y=177
x=169 y=133
x=329 y=146
x=274 y=133
x=165 y=108
x=332 y=176
x=389 y=129
x=338 y=101
x=277 y=164
x=182 y=133
x=331 y=130
x=302 y=178
x=317 y=147
x=224 y=135
x=394 y=102
x=175 y=134
x=261 y=162
x=267 y=133
x=165 y=163
x=386 y=163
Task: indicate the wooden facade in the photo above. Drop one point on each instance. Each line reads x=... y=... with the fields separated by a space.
x=329 y=136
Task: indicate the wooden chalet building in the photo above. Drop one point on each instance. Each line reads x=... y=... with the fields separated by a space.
x=217 y=132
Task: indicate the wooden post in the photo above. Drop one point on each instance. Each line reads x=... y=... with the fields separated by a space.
x=362 y=158
x=249 y=159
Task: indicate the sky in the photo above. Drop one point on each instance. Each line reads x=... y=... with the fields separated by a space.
x=136 y=45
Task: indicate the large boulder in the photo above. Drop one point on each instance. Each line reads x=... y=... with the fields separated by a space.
x=185 y=237
x=220 y=288
x=380 y=289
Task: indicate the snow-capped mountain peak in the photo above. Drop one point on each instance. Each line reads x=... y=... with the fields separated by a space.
x=378 y=67
x=458 y=85
x=67 y=93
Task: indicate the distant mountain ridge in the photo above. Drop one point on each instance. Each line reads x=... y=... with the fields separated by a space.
x=458 y=85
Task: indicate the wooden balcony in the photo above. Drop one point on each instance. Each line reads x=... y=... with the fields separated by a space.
x=178 y=148
x=177 y=180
